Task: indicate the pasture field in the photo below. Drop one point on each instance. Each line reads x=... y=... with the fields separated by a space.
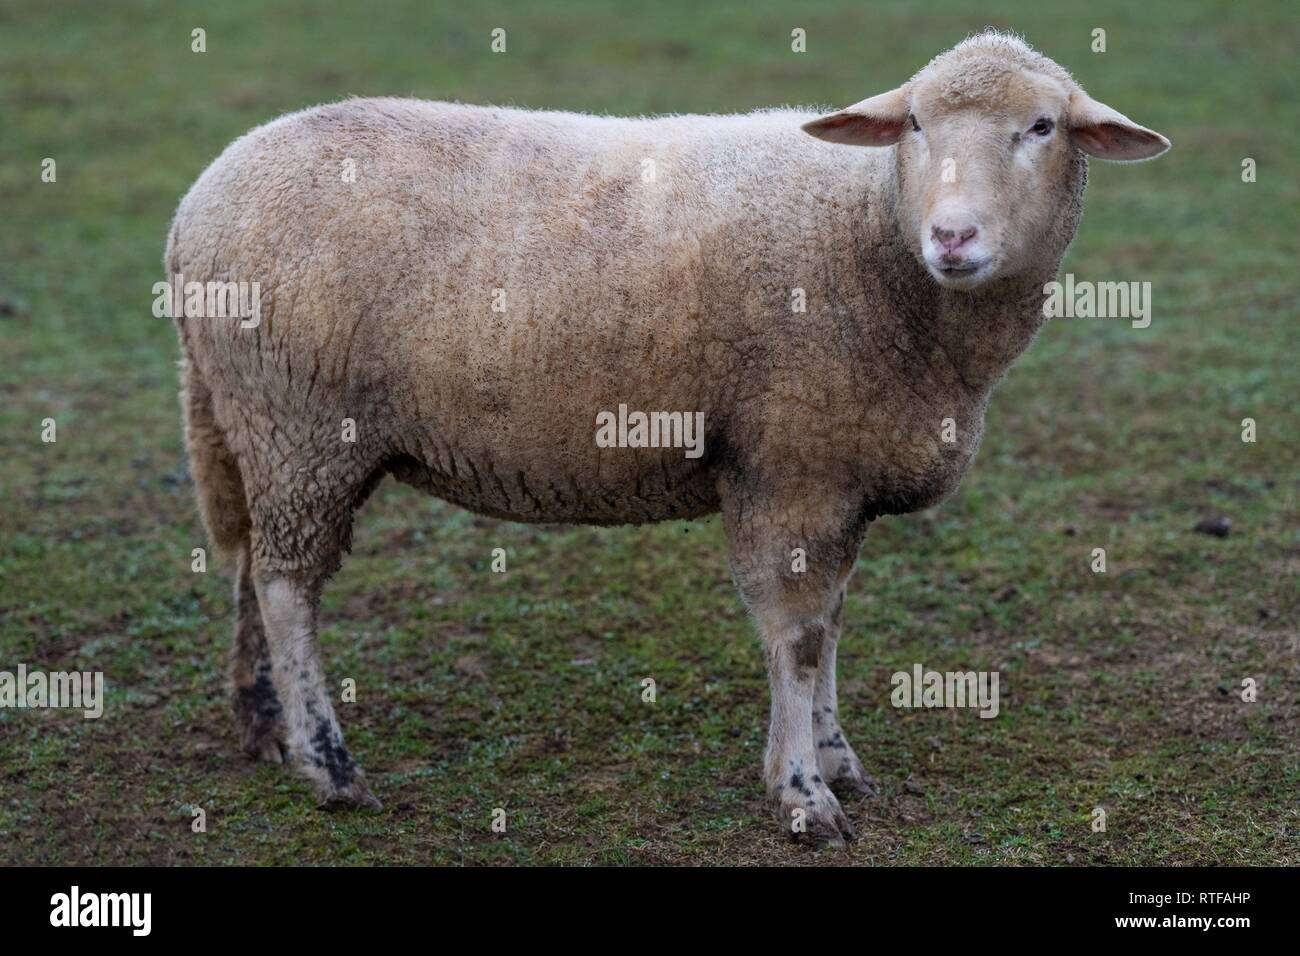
x=522 y=690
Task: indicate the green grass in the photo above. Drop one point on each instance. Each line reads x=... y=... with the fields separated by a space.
x=522 y=690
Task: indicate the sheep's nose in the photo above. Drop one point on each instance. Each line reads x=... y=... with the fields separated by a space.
x=952 y=239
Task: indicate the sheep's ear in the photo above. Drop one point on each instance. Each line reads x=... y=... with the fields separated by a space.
x=1105 y=133
x=879 y=121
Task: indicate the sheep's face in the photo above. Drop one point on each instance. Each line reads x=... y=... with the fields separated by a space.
x=983 y=169
x=987 y=140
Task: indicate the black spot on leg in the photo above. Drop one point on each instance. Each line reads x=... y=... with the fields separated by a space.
x=328 y=752
x=808 y=648
x=258 y=713
x=259 y=701
x=796 y=781
x=835 y=742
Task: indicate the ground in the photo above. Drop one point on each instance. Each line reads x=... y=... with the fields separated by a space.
x=522 y=690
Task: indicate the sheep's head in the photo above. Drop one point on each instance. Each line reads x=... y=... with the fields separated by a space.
x=989 y=139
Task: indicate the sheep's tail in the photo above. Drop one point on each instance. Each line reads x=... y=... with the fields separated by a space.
x=217 y=482
x=218 y=485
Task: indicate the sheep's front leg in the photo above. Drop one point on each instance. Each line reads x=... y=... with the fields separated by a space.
x=838 y=764
x=798 y=794
x=792 y=549
x=315 y=741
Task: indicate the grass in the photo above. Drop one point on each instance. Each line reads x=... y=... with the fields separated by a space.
x=523 y=691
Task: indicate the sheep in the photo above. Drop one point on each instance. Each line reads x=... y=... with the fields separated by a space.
x=461 y=297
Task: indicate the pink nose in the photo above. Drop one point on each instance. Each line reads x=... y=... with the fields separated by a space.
x=952 y=239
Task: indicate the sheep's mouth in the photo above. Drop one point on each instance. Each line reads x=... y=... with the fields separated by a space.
x=963 y=274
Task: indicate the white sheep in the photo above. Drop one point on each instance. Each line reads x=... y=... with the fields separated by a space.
x=460 y=296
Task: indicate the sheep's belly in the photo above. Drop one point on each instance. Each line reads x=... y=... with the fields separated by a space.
x=563 y=495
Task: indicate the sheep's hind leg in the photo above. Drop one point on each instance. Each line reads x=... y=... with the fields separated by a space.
x=838 y=764
x=258 y=713
x=289 y=608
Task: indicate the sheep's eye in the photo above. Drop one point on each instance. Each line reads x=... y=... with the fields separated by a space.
x=915 y=125
x=1042 y=127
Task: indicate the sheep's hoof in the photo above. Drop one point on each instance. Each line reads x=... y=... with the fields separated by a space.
x=853 y=781
x=841 y=768
x=815 y=821
x=262 y=739
x=354 y=795
x=265 y=745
